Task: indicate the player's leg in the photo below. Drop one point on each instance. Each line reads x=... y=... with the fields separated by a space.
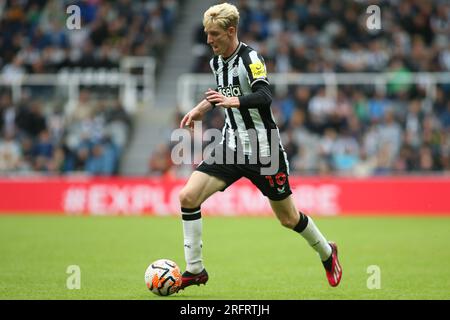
x=276 y=187
x=291 y=218
x=198 y=188
x=208 y=178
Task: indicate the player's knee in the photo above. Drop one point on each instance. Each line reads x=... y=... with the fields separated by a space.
x=289 y=221
x=188 y=199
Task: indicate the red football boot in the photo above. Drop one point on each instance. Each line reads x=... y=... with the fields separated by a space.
x=334 y=274
x=189 y=279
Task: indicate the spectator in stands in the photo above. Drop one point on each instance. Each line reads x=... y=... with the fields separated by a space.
x=102 y=160
x=426 y=159
x=30 y=118
x=7 y=113
x=320 y=108
x=84 y=110
x=360 y=106
x=55 y=165
x=43 y=147
x=365 y=166
x=384 y=156
x=80 y=157
x=56 y=123
x=327 y=145
x=405 y=162
x=160 y=162
x=390 y=134
x=413 y=121
x=14 y=70
x=377 y=107
x=26 y=146
x=118 y=124
x=445 y=117
x=10 y=153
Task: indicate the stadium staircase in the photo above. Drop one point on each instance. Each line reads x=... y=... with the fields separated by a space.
x=153 y=123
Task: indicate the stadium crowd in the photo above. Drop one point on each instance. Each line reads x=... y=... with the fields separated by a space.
x=39 y=136
x=360 y=130
x=90 y=139
x=326 y=35
x=35 y=37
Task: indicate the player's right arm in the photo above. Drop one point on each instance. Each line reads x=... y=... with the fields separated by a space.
x=195 y=114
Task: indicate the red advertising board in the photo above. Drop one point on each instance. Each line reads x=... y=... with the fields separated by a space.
x=155 y=196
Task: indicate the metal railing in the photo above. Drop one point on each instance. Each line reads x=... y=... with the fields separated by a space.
x=134 y=89
x=190 y=86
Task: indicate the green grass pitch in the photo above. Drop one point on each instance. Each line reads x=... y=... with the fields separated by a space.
x=247 y=258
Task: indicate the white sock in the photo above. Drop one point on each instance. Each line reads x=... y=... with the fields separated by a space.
x=192 y=229
x=314 y=237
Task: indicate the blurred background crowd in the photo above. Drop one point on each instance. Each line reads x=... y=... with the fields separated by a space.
x=35 y=38
x=326 y=35
x=360 y=130
x=47 y=137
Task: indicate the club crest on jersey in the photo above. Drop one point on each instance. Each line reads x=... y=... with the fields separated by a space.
x=218 y=71
x=230 y=91
x=281 y=190
x=235 y=71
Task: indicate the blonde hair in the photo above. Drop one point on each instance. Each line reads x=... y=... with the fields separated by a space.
x=224 y=15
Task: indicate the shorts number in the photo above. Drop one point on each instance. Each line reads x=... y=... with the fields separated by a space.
x=280 y=179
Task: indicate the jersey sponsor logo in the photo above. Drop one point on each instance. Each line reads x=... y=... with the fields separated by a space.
x=258 y=70
x=230 y=91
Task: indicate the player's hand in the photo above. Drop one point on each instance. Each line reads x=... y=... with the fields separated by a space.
x=190 y=117
x=220 y=100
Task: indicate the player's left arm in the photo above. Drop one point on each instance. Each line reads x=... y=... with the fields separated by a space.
x=261 y=96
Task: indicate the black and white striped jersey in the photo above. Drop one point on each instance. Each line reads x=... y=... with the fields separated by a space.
x=235 y=76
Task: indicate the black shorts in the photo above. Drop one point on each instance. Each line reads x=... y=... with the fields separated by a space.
x=275 y=185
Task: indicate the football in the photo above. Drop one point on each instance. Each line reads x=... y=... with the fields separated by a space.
x=163 y=277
